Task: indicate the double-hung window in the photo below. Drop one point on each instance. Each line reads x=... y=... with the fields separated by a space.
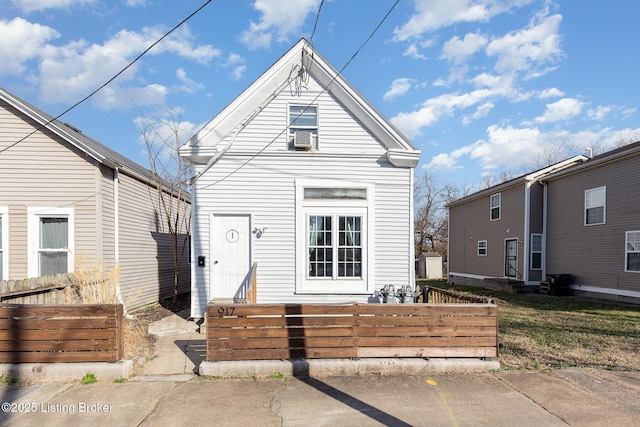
x=4 y=247
x=595 y=202
x=632 y=251
x=333 y=237
x=536 y=251
x=50 y=241
x=482 y=247
x=496 y=200
x=303 y=125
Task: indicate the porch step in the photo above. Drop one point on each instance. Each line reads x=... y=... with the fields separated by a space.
x=229 y=301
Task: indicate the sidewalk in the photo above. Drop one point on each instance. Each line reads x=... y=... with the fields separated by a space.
x=169 y=394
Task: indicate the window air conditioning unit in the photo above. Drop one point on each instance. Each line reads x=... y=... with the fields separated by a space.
x=302 y=139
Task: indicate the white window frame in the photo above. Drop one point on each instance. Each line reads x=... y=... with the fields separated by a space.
x=482 y=247
x=499 y=206
x=4 y=244
x=365 y=284
x=591 y=205
x=532 y=251
x=636 y=250
x=33 y=235
x=314 y=129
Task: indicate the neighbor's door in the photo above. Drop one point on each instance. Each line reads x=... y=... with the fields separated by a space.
x=511 y=257
x=230 y=259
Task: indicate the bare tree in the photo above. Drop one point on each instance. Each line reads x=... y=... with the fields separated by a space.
x=163 y=137
x=430 y=222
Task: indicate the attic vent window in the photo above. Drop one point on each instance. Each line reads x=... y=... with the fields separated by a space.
x=303 y=126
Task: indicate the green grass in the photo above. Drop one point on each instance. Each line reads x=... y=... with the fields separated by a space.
x=539 y=331
x=5 y=379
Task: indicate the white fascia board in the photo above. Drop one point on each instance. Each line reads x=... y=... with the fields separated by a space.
x=403 y=158
x=556 y=167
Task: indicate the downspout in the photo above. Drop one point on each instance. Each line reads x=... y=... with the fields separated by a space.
x=116 y=239
x=527 y=226
x=412 y=239
x=292 y=75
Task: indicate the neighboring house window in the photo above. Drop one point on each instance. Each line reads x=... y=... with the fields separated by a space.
x=50 y=241
x=303 y=125
x=536 y=251
x=4 y=247
x=632 y=251
x=495 y=206
x=595 y=201
x=334 y=237
x=482 y=247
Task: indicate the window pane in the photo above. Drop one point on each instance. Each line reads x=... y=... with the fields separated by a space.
x=595 y=215
x=53 y=263
x=54 y=233
x=349 y=246
x=320 y=249
x=303 y=116
x=633 y=262
x=536 y=243
x=335 y=193
x=495 y=213
x=495 y=200
x=536 y=260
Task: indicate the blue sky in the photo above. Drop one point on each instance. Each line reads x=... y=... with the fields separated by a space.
x=480 y=86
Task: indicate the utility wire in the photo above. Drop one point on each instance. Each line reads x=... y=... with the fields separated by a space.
x=316 y=23
x=314 y=100
x=108 y=81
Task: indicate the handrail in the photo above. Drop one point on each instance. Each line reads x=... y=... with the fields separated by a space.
x=251 y=285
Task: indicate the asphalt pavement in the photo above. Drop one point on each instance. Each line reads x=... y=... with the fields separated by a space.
x=170 y=393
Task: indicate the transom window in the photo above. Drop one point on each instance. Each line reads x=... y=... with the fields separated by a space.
x=536 y=251
x=482 y=247
x=595 y=206
x=495 y=206
x=335 y=253
x=632 y=251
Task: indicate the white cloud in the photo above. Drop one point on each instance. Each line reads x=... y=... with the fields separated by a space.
x=21 y=41
x=237 y=65
x=39 y=5
x=279 y=19
x=188 y=85
x=550 y=93
x=413 y=52
x=399 y=87
x=482 y=111
x=458 y=50
x=431 y=15
x=118 y=97
x=69 y=72
x=563 y=109
x=599 y=113
x=135 y=3
x=528 y=48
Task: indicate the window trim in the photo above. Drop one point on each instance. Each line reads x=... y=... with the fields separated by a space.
x=302 y=127
x=33 y=235
x=626 y=251
x=498 y=207
x=485 y=248
x=4 y=244
x=532 y=252
x=604 y=206
x=364 y=285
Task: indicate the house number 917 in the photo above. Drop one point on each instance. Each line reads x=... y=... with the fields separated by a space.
x=225 y=311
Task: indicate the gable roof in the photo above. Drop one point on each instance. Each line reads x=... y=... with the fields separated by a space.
x=76 y=138
x=204 y=145
x=537 y=175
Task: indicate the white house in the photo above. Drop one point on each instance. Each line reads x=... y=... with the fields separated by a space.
x=302 y=177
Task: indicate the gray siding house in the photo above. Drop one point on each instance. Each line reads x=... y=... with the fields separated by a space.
x=302 y=176
x=579 y=217
x=63 y=195
x=497 y=234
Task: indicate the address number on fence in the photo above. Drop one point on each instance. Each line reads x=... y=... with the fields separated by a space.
x=225 y=311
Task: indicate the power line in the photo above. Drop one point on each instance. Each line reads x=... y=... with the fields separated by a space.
x=314 y=100
x=316 y=23
x=108 y=81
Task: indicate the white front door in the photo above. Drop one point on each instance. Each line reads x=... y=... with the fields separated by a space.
x=230 y=254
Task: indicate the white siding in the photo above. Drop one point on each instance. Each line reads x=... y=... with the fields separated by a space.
x=263 y=186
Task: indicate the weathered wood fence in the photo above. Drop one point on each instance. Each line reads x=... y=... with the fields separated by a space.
x=56 y=289
x=305 y=331
x=429 y=294
x=61 y=333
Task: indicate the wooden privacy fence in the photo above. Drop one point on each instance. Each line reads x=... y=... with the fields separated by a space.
x=306 y=331
x=61 y=333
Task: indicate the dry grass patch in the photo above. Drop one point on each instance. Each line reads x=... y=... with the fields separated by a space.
x=538 y=331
